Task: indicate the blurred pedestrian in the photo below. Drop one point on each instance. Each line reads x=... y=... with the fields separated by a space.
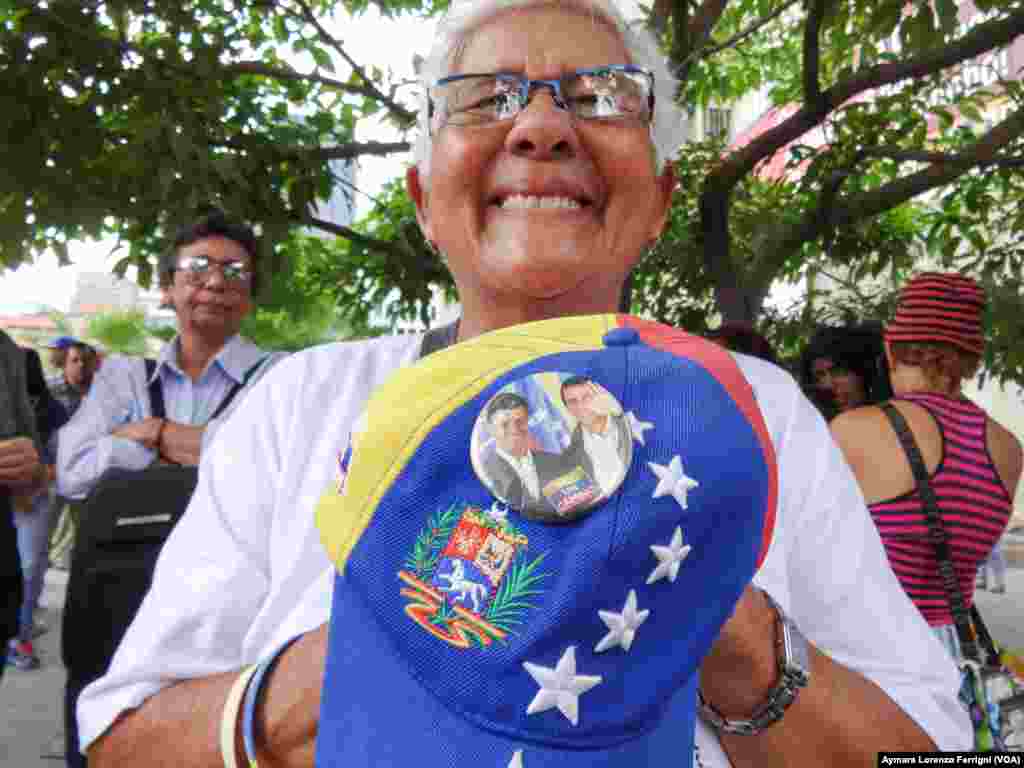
x=76 y=362
x=995 y=564
x=21 y=473
x=933 y=344
x=32 y=520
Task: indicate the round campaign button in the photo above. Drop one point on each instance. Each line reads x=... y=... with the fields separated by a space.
x=552 y=446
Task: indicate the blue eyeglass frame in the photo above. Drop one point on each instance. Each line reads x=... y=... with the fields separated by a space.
x=527 y=86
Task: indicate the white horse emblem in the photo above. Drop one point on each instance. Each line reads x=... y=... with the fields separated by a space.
x=462 y=587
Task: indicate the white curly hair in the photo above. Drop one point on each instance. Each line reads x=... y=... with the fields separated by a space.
x=668 y=125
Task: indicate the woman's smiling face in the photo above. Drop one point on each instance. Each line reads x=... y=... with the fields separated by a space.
x=601 y=200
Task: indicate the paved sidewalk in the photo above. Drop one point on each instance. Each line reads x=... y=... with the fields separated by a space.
x=31 y=703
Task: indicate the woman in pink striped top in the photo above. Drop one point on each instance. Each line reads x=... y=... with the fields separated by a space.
x=933 y=344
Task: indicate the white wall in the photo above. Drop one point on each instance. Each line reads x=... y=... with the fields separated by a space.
x=1005 y=405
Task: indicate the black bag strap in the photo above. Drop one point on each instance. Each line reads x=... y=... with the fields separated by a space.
x=937 y=532
x=239 y=386
x=156 y=390
x=437 y=339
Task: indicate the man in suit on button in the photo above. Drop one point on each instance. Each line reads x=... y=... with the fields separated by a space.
x=601 y=442
x=517 y=471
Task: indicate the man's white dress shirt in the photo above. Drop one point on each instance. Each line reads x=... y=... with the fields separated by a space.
x=526 y=468
x=603 y=449
x=119 y=395
x=244 y=570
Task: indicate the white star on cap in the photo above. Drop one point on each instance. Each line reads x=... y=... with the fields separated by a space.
x=669 y=558
x=517 y=759
x=560 y=687
x=672 y=480
x=637 y=427
x=621 y=626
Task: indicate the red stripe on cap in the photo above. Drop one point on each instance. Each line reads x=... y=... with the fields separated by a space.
x=720 y=364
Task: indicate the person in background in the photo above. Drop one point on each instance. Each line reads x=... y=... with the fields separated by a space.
x=933 y=344
x=995 y=565
x=76 y=363
x=542 y=197
x=21 y=475
x=209 y=276
x=742 y=338
x=842 y=368
x=32 y=520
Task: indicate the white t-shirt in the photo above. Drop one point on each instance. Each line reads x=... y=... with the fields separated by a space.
x=244 y=570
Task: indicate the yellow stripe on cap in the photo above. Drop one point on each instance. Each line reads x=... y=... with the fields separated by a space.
x=410 y=404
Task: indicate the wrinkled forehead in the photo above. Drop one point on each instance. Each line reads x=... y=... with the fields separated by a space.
x=511 y=58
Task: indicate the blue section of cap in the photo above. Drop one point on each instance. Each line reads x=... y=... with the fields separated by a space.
x=621 y=337
x=388 y=676
x=376 y=715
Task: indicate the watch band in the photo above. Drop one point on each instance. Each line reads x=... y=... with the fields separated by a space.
x=794 y=674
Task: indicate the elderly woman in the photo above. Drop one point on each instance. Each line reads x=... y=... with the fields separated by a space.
x=933 y=344
x=541 y=176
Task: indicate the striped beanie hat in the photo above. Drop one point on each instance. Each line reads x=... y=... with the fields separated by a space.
x=940 y=307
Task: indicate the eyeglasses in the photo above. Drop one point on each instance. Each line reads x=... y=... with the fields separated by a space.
x=197 y=270
x=609 y=92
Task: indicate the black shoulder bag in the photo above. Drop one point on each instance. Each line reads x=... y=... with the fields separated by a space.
x=123 y=526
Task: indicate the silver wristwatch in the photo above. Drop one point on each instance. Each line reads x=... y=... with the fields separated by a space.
x=794 y=674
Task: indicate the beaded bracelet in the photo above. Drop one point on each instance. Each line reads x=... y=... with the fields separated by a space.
x=252 y=695
x=229 y=720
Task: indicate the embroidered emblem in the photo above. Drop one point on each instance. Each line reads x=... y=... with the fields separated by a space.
x=517 y=759
x=560 y=687
x=468 y=577
x=669 y=558
x=638 y=427
x=621 y=626
x=672 y=481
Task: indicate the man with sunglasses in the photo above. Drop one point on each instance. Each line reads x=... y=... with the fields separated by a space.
x=209 y=277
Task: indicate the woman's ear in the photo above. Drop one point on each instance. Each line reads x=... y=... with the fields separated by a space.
x=420 y=197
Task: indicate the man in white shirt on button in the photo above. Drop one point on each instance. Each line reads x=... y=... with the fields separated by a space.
x=601 y=441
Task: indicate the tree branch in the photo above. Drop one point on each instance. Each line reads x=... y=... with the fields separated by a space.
x=987 y=151
x=742 y=35
x=964 y=162
x=339 y=230
x=404 y=116
x=812 y=51
x=345 y=151
x=691 y=33
x=719 y=184
x=984 y=37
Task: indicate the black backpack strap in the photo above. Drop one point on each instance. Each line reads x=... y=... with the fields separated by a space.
x=937 y=532
x=438 y=338
x=237 y=388
x=156 y=390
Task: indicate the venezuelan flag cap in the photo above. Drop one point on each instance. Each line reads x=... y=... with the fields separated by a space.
x=538 y=535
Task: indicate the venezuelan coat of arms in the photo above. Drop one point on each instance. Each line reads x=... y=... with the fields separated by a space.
x=468 y=577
